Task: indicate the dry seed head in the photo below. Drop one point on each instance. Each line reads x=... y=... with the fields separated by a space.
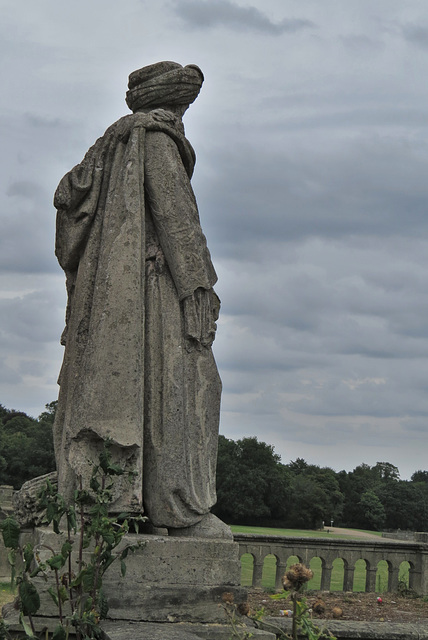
x=227 y=597
x=296 y=576
x=243 y=608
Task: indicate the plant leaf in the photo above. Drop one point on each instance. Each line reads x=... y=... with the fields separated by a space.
x=53 y=594
x=30 y=599
x=11 y=557
x=10 y=531
x=56 y=562
x=59 y=633
x=280 y=596
x=102 y=604
x=66 y=549
x=27 y=630
x=28 y=555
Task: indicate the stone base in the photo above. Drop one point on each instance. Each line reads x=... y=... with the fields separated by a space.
x=151 y=630
x=179 y=631
x=167 y=579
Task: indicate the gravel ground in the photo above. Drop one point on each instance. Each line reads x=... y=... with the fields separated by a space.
x=355 y=606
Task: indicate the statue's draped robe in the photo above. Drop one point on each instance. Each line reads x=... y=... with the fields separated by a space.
x=138 y=370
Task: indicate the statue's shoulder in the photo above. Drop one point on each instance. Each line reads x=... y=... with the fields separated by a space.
x=156 y=120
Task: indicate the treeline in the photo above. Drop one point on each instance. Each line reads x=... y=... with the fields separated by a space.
x=26 y=445
x=253 y=486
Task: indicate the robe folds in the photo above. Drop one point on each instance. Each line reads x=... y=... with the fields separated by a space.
x=138 y=368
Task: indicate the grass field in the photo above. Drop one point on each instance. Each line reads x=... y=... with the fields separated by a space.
x=5 y=593
x=299 y=533
x=269 y=567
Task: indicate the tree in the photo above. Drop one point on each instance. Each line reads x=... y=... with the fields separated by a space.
x=309 y=503
x=420 y=476
x=356 y=483
x=251 y=482
x=405 y=504
x=26 y=446
x=385 y=471
x=373 y=509
x=315 y=495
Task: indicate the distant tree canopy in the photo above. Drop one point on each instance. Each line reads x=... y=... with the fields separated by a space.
x=251 y=482
x=26 y=445
x=253 y=486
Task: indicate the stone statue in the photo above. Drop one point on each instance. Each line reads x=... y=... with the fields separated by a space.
x=138 y=368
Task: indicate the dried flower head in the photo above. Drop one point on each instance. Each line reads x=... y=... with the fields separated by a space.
x=319 y=607
x=296 y=577
x=243 y=608
x=227 y=597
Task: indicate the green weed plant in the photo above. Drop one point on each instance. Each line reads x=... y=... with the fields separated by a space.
x=75 y=585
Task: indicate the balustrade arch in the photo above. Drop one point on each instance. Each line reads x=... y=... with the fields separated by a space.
x=286 y=550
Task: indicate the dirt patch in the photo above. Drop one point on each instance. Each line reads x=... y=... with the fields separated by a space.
x=353 y=533
x=355 y=606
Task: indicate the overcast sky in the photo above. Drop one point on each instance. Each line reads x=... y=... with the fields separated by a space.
x=311 y=136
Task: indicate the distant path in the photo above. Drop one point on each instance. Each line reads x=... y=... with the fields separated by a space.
x=352 y=533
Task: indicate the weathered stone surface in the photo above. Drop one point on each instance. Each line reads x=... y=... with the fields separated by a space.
x=167 y=579
x=187 y=631
x=178 y=631
x=138 y=367
x=360 y=630
x=6 y=495
x=146 y=630
x=25 y=501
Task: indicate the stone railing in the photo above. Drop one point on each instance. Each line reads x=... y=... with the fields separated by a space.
x=6 y=494
x=349 y=551
x=6 y=508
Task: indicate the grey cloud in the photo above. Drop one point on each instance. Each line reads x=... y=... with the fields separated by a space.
x=290 y=194
x=416 y=34
x=212 y=13
x=361 y=43
x=7 y=375
x=24 y=189
x=32 y=319
x=331 y=298
x=311 y=183
x=27 y=241
x=32 y=367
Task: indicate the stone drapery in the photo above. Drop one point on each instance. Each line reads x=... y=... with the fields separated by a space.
x=138 y=367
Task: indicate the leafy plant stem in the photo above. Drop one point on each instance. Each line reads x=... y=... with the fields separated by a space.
x=97 y=567
x=61 y=619
x=294 y=622
x=70 y=589
x=30 y=618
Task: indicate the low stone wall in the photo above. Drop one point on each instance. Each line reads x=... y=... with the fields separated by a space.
x=328 y=550
x=399 y=535
x=6 y=495
x=4 y=565
x=6 y=508
x=342 y=630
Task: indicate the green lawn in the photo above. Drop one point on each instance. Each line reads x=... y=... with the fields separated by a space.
x=300 y=533
x=6 y=594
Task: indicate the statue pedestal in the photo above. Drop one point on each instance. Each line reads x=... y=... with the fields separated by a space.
x=174 y=580
x=172 y=590
x=167 y=579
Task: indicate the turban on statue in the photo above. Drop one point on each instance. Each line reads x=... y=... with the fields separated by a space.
x=163 y=84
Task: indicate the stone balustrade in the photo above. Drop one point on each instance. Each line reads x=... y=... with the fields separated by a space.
x=328 y=550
